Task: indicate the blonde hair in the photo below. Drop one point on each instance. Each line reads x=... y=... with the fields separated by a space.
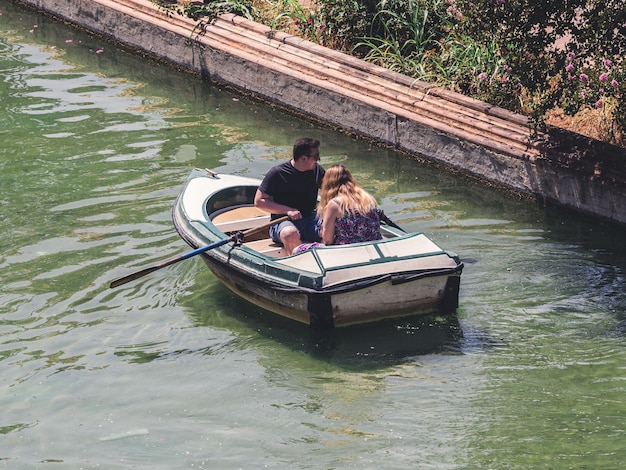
x=339 y=184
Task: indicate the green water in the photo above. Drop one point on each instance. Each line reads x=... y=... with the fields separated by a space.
x=173 y=371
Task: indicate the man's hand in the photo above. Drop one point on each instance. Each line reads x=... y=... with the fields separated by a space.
x=294 y=214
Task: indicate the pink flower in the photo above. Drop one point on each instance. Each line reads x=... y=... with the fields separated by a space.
x=604 y=77
x=598 y=104
x=583 y=92
x=454 y=11
x=569 y=67
x=504 y=79
x=482 y=77
x=607 y=63
x=68 y=41
x=584 y=77
x=99 y=51
x=614 y=82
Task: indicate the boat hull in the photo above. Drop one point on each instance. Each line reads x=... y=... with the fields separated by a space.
x=380 y=299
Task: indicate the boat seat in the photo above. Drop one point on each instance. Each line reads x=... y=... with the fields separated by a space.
x=268 y=247
x=240 y=218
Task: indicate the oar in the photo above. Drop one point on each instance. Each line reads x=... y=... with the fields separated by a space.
x=388 y=221
x=239 y=236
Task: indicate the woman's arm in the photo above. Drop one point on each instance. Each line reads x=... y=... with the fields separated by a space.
x=328 y=223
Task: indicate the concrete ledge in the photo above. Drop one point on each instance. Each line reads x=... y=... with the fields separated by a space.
x=466 y=135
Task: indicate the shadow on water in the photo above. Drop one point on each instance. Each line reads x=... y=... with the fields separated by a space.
x=360 y=347
x=388 y=342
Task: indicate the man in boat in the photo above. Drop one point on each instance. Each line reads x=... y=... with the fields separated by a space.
x=291 y=189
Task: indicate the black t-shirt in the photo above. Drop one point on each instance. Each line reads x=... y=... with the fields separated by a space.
x=293 y=188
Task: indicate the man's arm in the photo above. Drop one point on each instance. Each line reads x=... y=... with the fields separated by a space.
x=264 y=201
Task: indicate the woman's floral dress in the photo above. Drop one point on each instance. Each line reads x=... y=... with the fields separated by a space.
x=357 y=227
x=351 y=228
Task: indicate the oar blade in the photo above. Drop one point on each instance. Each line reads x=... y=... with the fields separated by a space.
x=145 y=271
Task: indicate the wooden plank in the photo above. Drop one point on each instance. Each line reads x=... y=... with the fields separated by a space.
x=239 y=213
x=268 y=247
x=240 y=218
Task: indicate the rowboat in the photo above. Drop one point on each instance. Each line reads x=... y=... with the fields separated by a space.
x=403 y=274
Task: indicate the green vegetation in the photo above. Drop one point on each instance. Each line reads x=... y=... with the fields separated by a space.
x=557 y=61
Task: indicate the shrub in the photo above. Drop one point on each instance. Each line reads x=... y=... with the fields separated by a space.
x=527 y=56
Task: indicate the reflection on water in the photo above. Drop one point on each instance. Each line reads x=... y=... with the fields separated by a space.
x=360 y=347
x=173 y=370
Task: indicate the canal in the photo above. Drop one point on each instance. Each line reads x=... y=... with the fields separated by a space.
x=173 y=371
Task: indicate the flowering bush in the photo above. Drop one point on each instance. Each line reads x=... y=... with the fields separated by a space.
x=595 y=83
x=561 y=53
x=527 y=56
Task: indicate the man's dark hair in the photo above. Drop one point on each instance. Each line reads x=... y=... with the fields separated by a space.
x=304 y=146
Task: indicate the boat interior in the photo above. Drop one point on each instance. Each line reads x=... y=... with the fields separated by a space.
x=244 y=217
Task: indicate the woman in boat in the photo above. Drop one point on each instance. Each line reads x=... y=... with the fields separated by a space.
x=349 y=214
